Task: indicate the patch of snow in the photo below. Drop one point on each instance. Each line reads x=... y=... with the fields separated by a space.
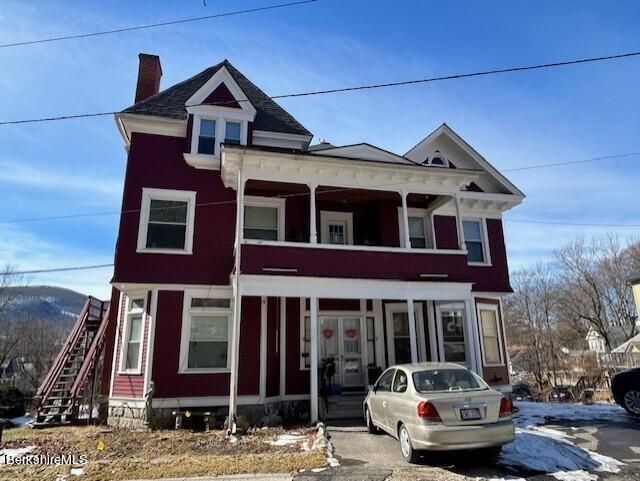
x=333 y=462
x=578 y=475
x=14 y=453
x=77 y=471
x=22 y=420
x=532 y=413
x=305 y=446
x=287 y=439
x=508 y=478
x=318 y=470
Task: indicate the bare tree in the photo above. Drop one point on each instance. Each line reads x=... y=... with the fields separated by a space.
x=10 y=284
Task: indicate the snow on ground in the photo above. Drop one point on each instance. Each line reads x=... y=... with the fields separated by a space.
x=542 y=449
x=532 y=413
x=286 y=439
x=21 y=420
x=14 y=453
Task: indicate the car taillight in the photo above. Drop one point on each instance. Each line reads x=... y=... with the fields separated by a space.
x=428 y=411
x=505 y=407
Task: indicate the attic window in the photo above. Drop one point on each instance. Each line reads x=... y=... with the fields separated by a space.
x=436 y=159
x=232 y=133
x=207 y=137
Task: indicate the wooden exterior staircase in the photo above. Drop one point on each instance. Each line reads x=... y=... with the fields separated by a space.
x=76 y=368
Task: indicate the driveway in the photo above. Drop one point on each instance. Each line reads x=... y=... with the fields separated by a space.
x=576 y=444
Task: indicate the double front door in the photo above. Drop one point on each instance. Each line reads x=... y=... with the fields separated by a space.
x=341 y=338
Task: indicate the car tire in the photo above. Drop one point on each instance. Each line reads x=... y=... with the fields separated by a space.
x=406 y=448
x=371 y=428
x=631 y=402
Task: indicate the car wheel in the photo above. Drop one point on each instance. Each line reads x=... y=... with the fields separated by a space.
x=408 y=453
x=631 y=402
x=371 y=428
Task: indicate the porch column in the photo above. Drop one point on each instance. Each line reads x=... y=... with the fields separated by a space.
x=405 y=220
x=461 y=243
x=412 y=330
x=237 y=307
x=313 y=229
x=314 y=358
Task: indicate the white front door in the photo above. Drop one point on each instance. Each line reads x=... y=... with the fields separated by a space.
x=341 y=338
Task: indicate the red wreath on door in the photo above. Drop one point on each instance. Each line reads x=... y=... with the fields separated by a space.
x=351 y=333
x=327 y=333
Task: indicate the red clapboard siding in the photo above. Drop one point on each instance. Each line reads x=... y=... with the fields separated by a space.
x=109 y=343
x=156 y=161
x=169 y=383
x=273 y=355
x=131 y=385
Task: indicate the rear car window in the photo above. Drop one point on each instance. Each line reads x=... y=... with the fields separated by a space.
x=445 y=380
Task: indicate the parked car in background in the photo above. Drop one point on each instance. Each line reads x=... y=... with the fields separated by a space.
x=522 y=392
x=438 y=406
x=625 y=387
x=561 y=394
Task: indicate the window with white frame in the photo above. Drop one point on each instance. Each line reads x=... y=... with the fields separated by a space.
x=205 y=334
x=305 y=343
x=336 y=227
x=207 y=137
x=233 y=133
x=474 y=239
x=263 y=218
x=131 y=357
x=436 y=159
x=166 y=221
x=490 y=334
x=420 y=230
x=451 y=320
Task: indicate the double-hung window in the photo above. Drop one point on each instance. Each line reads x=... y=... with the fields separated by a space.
x=131 y=357
x=451 y=318
x=207 y=137
x=417 y=232
x=490 y=332
x=206 y=334
x=166 y=221
x=264 y=218
x=419 y=228
x=232 y=133
x=475 y=241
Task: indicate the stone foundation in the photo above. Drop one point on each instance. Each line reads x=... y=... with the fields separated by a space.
x=277 y=413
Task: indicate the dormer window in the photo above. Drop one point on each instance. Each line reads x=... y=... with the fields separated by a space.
x=207 y=137
x=232 y=133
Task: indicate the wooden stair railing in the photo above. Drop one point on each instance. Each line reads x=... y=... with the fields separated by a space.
x=53 y=400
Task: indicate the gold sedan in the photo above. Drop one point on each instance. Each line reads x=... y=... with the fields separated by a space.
x=438 y=406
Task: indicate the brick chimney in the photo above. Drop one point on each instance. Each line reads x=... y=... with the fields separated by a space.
x=149 y=73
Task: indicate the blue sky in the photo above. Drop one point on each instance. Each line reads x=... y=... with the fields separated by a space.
x=514 y=120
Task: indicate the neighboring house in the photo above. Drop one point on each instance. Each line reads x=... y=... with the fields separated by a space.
x=18 y=373
x=595 y=341
x=351 y=252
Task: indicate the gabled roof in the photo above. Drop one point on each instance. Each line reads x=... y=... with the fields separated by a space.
x=364 y=151
x=492 y=174
x=170 y=103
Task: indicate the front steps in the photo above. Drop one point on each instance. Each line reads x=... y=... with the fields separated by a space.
x=346 y=406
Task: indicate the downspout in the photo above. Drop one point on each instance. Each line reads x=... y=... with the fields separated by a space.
x=237 y=304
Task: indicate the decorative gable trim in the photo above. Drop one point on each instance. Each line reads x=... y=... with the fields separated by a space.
x=222 y=76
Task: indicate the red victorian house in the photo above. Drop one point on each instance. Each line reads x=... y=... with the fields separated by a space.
x=247 y=257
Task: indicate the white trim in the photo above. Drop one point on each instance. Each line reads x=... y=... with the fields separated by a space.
x=273 y=202
x=364 y=151
x=433 y=333
x=327 y=217
x=379 y=328
x=115 y=359
x=473 y=343
x=340 y=288
x=313 y=307
x=364 y=336
x=222 y=75
x=166 y=194
x=484 y=239
x=390 y=309
x=220 y=290
x=280 y=139
x=283 y=345
x=458 y=304
x=151 y=336
x=124 y=347
x=303 y=314
x=429 y=235
x=185 y=332
x=201 y=161
x=128 y=123
x=262 y=393
x=483 y=306
x=203 y=401
x=432 y=155
x=212 y=161
x=348 y=247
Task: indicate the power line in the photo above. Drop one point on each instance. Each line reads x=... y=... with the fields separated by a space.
x=160 y=24
x=569 y=224
x=55 y=269
x=377 y=86
x=571 y=162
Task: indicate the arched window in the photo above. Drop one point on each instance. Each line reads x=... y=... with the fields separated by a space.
x=436 y=159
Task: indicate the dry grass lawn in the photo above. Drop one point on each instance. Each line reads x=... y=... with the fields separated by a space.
x=128 y=454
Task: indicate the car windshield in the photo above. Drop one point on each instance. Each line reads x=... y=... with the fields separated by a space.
x=446 y=380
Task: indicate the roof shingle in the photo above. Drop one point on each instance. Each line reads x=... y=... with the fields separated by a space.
x=171 y=102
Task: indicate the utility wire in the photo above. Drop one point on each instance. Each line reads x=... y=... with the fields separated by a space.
x=571 y=162
x=55 y=269
x=569 y=224
x=378 y=86
x=160 y=24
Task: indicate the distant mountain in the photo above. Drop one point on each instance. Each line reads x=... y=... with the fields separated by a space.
x=48 y=303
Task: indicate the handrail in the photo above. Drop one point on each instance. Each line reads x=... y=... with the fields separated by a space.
x=56 y=368
x=91 y=358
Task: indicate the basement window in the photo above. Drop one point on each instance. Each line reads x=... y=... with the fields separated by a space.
x=166 y=221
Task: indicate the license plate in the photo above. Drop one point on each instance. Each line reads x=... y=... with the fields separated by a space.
x=470 y=414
